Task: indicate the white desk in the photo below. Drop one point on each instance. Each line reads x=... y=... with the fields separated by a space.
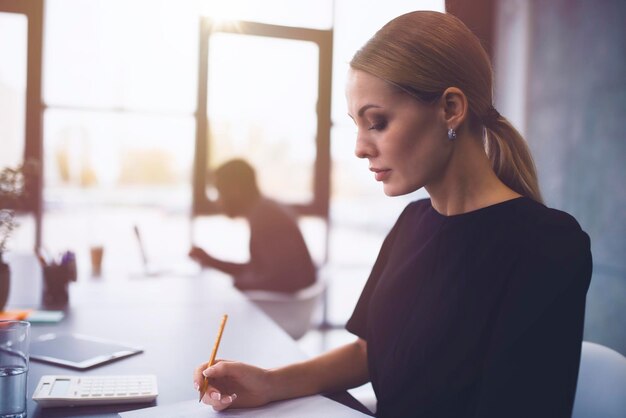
x=175 y=320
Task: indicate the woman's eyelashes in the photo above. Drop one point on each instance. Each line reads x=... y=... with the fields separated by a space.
x=377 y=125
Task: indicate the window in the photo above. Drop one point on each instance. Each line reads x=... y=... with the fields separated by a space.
x=13 y=47
x=120 y=102
x=267 y=100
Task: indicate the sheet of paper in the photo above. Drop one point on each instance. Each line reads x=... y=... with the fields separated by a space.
x=309 y=407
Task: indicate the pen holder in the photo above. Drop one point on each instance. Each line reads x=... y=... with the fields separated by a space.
x=56 y=277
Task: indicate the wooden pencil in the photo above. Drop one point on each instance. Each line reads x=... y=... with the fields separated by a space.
x=205 y=381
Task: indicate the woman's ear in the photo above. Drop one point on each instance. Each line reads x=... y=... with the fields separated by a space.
x=455 y=107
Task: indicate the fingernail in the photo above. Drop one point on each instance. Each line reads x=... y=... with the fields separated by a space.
x=216 y=396
x=205 y=373
x=197 y=386
x=227 y=399
x=233 y=396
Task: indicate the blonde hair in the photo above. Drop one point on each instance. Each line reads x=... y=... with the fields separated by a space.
x=423 y=53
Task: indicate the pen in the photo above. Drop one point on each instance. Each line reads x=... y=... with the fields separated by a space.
x=205 y=381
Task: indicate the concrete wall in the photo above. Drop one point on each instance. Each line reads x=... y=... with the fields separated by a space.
x=576 y=127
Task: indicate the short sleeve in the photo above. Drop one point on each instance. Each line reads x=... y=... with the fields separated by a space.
x=531 y=366
x=357 y=324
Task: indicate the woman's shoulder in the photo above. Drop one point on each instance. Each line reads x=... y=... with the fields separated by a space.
x=548 y=221
x=523 y=217
x=554 y=235
x=546 y=217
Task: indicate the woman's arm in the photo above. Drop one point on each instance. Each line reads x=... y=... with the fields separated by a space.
x=243 y=386
x=340 y=369
x=531 y=366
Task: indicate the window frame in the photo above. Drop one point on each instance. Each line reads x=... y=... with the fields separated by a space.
x=319 y=205
x=33 y=137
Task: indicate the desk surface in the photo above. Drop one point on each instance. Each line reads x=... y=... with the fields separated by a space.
x=174 y=319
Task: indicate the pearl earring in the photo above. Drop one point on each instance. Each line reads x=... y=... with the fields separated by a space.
x=451 y=134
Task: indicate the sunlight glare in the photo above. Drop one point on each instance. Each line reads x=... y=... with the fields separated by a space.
x=225 y=13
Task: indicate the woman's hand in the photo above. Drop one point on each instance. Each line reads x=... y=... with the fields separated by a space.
x=239 y=385
x=233 y=384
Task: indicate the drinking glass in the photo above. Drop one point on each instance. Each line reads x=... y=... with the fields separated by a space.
x=14 y=339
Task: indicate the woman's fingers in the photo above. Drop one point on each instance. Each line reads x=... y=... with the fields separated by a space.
x=198 y=376
x=219 y=375
x=232 y=384
x=217 y=371
x=218 y=401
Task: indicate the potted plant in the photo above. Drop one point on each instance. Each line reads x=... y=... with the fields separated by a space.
x=12 y=193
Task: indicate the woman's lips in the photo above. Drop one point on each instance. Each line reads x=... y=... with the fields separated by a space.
x=380 y=174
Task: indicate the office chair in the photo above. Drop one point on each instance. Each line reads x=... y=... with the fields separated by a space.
x=292 y=312
x=601 y=390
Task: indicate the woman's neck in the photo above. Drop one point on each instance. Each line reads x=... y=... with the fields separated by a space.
x=468 y=181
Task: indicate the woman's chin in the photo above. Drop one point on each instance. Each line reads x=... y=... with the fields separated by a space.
x=392 y=190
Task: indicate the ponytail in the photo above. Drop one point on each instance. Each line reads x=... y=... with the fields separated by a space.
x=510 y=157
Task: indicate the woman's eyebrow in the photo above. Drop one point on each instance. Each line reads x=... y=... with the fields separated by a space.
x=364 y=108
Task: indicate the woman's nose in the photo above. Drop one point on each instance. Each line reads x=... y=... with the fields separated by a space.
x=364 y=147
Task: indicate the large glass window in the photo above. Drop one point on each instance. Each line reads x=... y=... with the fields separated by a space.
x=119 y=127
x=262 y=107
x=13 y=47
x=120 y=101
x=118 y=54
x=109 y=157
x=267 y=100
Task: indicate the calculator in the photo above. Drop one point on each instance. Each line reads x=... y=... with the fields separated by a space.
x=94 y=390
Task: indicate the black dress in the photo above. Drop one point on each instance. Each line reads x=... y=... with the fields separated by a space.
x=476 y=315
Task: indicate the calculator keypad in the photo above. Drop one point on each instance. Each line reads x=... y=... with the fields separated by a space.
x=93 y=390
x=118 y=386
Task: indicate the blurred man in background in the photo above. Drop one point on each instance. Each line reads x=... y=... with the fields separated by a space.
x=279 y=258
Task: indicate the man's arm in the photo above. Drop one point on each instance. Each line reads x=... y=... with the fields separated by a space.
x=206 y=260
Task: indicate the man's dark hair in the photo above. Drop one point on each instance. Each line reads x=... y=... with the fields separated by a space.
x=237 y=175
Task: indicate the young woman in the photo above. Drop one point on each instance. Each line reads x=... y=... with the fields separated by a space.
x=475 y=305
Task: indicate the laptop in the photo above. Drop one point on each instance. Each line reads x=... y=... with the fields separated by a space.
x=176 y=267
